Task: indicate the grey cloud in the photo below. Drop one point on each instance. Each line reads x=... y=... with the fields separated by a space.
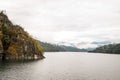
x=85 y=20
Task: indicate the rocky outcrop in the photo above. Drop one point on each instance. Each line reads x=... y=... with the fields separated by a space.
x=15 y=43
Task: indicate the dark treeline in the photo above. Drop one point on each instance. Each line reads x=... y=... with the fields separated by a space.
x=111 y=48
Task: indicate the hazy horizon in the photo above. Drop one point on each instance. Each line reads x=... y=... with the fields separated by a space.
x=80 y=22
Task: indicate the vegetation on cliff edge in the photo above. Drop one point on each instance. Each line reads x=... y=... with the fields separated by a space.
x=15 y=42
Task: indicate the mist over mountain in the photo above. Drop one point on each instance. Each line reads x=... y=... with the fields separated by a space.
x=48 y=47
x=84 y=45
x=101 y=43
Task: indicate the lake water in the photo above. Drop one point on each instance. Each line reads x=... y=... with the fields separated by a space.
x=64 y=66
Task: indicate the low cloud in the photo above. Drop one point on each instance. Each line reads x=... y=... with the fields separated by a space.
x=67 y=20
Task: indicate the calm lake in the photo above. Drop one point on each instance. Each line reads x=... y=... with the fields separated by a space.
x=64 y=66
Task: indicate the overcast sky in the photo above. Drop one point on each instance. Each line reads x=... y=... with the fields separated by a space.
x=74 y=21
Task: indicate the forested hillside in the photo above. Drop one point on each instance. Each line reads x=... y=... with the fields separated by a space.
x=111 y=48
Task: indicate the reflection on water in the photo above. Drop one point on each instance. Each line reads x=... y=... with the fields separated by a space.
x=64 y=66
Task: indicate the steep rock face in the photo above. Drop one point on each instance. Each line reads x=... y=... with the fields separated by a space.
x=16 y=43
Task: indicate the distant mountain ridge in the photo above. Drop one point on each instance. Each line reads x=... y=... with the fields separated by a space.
x=48 y=47
x=84 y=45
x=101 y=43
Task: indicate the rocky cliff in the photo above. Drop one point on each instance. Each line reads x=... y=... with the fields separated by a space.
x=15 y=43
